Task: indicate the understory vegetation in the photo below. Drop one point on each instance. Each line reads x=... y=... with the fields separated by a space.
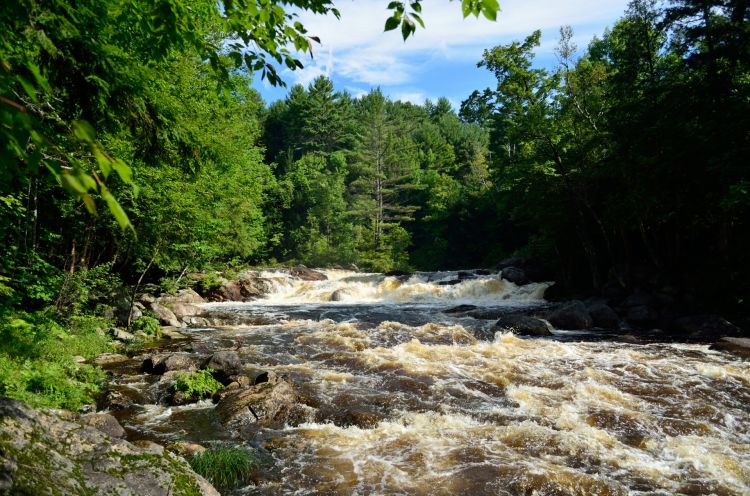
x=142 y=154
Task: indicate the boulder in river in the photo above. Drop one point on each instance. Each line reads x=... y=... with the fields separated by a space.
x=224 y=365
x=159 y=363
x=269 y=404
x=165 y=315
x=515 y=275
x=707 y=326
x=736 y=346
x=340 y=294
x=46 y=452
x=603 y=316
x=302 y=272
x=246 y=287
x=571 y=315
x=522 y=325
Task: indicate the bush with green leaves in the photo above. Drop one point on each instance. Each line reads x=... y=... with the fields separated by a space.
x=197 y=384
x=225 y=467
x=147 y=324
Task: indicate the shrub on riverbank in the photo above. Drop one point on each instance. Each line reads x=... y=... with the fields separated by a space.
x=225 y=467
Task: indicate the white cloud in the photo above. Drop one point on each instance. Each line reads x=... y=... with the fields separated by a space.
x=362 y=53
x=416 y=97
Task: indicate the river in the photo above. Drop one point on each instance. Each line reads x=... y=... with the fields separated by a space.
x=405 y=399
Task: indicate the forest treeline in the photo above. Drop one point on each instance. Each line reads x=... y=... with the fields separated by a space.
x=631 y=154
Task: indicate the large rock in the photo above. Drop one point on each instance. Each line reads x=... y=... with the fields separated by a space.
x=603 y=316
x=460 y=309
x=515 y=275
x=306 y=274
x=736 y=346
x=707 y=326
x=160 y=363
x=522 y=325
x=104 y=422
x=165 y=315
x=224 y=365
x=122 y=335
x=571 y=315
x=268 y=404
x=46 y=452
x=246 y=287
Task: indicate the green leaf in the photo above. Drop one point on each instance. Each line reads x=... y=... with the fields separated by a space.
x=391 y=23
x=490 y=9
x=114 y=206
x=407 y=27
x=416 y=7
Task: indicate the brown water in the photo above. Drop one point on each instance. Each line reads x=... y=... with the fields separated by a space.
x=405 y=400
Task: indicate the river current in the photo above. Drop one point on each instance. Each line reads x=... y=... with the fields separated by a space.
x=407 y=400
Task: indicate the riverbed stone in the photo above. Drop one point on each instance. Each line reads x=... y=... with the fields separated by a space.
x=165 y=315
x=104 y=422
x=515 y=275
x=707 y=326
x=602 y=315
x=159 y=363
x=44 y=452
x=522 y=325
x=267 y=404
x=460 y=309
x=302 y=272
x=571 y=315
x=223 y=365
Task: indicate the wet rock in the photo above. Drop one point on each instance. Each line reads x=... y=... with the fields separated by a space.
x=451 y=282
x=246 y=287
x=736 y=346
x=270 y=404
x=306 y=274
x=571 y=315
x=122 y=335
x=603 y=316
x=45 y=451
x=631 y=338
x=340 y=295
x=104 y=422
x=118 y=400
x=223 y=364
x=398 y=273
x=522 y=325
x=487 y=313
x=170 y=332
x=464 y=275
x=460 y=309
x=218 y=318
x=707 y=326
x=165 y=315
x=161 y=363
x=515 y=275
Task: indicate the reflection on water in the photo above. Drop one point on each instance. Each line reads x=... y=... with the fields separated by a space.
x=415 y=404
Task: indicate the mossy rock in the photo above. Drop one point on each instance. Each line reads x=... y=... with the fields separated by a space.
x=46 y=452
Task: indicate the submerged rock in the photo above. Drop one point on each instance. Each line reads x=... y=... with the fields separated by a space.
x=460 y=309
x=45 y=452
x=302 y=272
x=571 y=315
x=522 y=325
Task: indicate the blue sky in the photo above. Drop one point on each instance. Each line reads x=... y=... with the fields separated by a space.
x=441 y=59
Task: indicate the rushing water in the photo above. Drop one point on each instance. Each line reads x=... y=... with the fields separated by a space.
x=408 y=401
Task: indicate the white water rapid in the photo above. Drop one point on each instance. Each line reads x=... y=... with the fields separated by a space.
x=406 y=400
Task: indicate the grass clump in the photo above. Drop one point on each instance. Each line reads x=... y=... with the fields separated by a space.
x=197 y=384
x=225 y=467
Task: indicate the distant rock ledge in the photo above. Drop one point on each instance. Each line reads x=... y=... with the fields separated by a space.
x=49 y=452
